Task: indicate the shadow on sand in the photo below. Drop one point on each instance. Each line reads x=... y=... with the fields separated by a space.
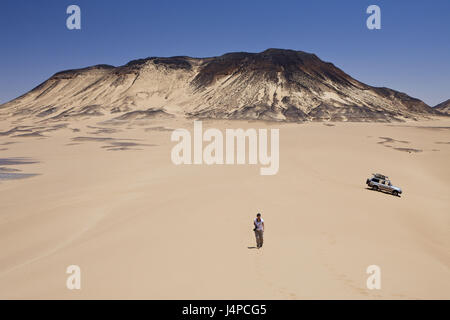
x=367 y=188
x=9 y=173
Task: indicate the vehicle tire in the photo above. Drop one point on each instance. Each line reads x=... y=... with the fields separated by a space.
x=395 y=193
x=375 y=188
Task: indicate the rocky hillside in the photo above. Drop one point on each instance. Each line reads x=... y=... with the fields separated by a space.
x=443 y=107
x=280 y=85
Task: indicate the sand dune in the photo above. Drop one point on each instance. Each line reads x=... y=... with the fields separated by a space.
x=141 y=227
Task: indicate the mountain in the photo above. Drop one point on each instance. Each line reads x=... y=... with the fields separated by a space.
x=276 y=84
x=443 y=107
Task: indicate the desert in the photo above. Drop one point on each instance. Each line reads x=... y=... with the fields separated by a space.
x=109 y=199
x=89 y=183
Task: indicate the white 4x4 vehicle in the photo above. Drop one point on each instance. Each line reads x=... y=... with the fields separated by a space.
x=381 y=182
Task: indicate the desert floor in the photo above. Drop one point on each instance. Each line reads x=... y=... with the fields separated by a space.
x=107 y=198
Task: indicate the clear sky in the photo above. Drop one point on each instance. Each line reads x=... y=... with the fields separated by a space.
x=411 y=52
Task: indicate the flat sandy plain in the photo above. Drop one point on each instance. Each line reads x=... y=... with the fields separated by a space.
x=108 y=198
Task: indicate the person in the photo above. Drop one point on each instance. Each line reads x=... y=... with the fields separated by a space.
x=259 y=230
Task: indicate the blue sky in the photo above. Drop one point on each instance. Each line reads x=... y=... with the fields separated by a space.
x=411 y=52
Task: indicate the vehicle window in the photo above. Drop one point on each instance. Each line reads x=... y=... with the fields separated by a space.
x=375 y=180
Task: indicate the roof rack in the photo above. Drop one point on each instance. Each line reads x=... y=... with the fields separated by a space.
x=380 y=176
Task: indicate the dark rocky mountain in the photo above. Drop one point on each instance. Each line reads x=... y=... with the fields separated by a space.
x=276 y=84
x=443 y=107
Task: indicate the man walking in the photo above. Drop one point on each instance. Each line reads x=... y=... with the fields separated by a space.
x=259 y=230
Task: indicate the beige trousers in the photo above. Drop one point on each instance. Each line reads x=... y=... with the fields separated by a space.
x=259 y=238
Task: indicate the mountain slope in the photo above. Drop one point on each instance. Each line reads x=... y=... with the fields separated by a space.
x=282 y=85
x=443 y=107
